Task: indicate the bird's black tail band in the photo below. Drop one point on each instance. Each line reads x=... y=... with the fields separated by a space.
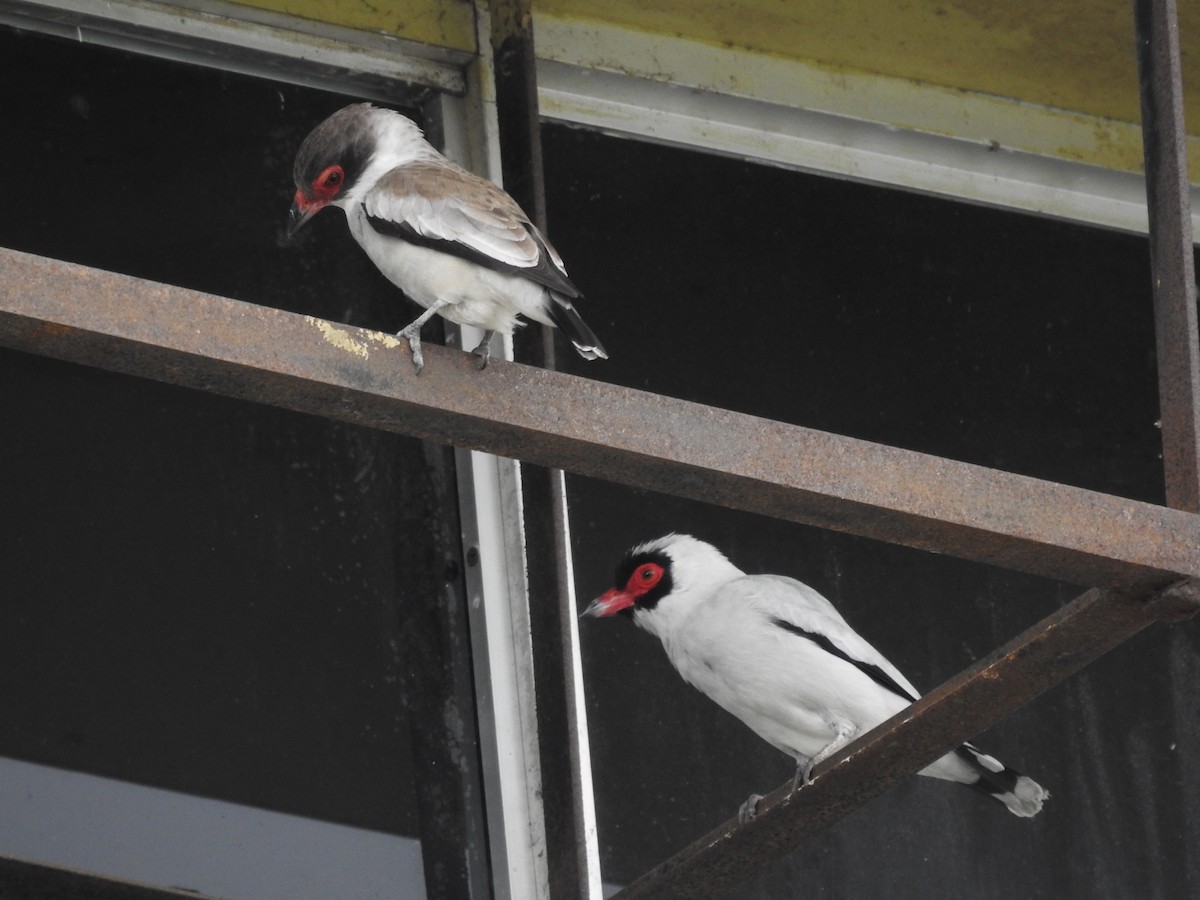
x=1022 y=795
x=572 y=325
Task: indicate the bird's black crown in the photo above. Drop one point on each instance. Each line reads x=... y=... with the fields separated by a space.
x=345 y=138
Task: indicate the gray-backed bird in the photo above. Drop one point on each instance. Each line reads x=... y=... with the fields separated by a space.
x=452 y=241
x=780 y=657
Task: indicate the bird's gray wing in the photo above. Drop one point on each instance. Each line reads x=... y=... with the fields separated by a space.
x=439 y=205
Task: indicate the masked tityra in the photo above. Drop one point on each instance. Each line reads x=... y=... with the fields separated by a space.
x=453 y=242
x=777 y=655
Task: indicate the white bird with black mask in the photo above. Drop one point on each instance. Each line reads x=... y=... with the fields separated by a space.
x=780 y=657
x=453 y=242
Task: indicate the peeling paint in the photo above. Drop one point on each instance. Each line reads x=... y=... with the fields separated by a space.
x=340 y=337
x=390 y=341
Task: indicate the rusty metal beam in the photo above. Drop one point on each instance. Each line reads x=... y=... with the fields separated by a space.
x=170 y=334
x=1027 y=666
x=37 y=881
x=1172 y=268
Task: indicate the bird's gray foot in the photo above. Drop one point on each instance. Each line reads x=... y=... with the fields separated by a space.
x=412 y=332
x=484 y=350
x=413 y=336
x=803 y=775
x=843 y=733
x=747 y=810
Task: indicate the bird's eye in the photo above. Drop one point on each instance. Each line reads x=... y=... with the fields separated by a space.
x=327 y=183
x=645 y=577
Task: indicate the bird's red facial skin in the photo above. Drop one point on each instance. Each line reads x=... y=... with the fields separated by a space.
x=644 y=578
x=327 y=184
x=305 y=204
x=613 y=601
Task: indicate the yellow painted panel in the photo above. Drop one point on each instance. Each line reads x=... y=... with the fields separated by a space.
x=1075 y=55
x=443 y=23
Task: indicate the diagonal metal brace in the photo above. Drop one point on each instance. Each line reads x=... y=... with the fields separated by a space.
x=958 y=710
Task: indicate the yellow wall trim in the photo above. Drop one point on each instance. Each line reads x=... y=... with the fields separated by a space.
x=442 y=23
x=999 y=122
x=1073 y=55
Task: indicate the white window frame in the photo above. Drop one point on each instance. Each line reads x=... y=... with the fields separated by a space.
x=871 y=128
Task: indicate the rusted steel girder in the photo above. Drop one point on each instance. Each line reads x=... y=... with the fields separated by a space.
x=1174 y=279
x=23 y=878
x=197 y=340
x=1027 y=666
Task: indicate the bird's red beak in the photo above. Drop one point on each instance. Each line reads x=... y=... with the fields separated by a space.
x=303 y=209
x=610 y=603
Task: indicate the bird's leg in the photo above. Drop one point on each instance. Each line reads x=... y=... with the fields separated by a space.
x=412 y=332
x=747 y=810
x=843 y=733
x=803 y=774
x=484 y=350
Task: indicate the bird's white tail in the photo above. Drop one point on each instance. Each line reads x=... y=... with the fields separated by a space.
x=1025 y=799
x=1021 y=794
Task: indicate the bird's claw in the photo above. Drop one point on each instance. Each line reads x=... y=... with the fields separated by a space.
x=747 y=810
x=484 y=349
x=803 y=776
x=414 y=344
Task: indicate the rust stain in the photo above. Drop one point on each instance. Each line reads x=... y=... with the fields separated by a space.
x=51 y=330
